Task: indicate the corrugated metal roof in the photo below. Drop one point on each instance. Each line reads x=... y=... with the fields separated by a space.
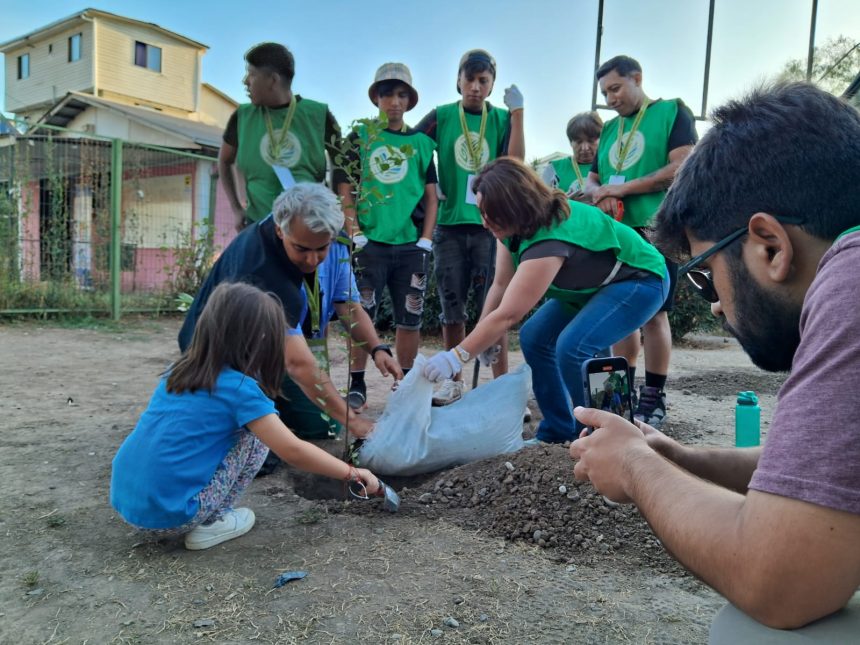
x=207 y=136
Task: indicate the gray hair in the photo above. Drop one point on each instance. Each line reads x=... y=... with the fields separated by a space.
x=314 y=204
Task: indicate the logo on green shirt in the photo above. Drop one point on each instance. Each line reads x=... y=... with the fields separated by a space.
x=464 y=158
x=388 y=165
x=637 y=147
x=289 y=153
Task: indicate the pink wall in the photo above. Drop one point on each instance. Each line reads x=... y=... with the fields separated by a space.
x=31 y=256
x=225 y=229
x=152 y=269
x=152 y=266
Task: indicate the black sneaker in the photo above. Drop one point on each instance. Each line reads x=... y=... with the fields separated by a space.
x=357 y=396
x=652 y=406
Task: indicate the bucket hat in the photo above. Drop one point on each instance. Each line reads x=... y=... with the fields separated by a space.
x=393 y=72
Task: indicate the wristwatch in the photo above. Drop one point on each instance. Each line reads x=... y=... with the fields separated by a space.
x=462 y=354
x=382 y=347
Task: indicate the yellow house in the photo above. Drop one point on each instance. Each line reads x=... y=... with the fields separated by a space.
x=112 y=57
x=100 y=75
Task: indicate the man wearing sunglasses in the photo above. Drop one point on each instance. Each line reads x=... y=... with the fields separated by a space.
x=769 y=206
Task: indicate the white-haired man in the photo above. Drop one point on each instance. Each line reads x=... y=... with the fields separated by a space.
x=293 y=253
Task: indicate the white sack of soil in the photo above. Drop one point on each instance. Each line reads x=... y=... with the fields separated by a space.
x=411 y=437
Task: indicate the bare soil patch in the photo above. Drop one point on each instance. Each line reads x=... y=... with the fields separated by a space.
x=505 y=554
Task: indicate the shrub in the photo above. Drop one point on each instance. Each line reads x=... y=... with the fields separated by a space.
x=691 y=312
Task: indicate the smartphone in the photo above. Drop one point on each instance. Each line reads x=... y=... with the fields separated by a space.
x=607 y=385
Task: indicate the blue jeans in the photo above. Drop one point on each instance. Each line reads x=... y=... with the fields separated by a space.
x=559 y=338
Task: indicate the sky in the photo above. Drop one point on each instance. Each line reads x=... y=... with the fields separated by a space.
x=546 y=47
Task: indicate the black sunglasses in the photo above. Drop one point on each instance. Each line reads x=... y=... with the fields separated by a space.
x=701 y=279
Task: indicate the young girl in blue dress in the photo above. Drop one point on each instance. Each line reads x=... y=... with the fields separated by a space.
x=210 y=425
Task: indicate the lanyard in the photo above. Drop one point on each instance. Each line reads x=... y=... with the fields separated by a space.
x=275 y=145
x=313 y=296
x=474 y=149
x=624 y=148
x=578 y=173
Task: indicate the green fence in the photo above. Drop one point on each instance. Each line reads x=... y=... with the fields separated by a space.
x=101 y=226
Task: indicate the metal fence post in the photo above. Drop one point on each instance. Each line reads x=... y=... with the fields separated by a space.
x=213 y=203
x=115 y=227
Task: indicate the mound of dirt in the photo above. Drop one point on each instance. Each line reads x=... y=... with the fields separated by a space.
x=531 y=496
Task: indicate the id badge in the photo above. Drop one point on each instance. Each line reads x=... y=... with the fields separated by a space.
x=615 y=180
x=471 y=197
x=284 y=176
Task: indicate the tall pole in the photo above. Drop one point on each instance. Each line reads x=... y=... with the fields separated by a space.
x=708 y=60
x=597 y=54
x=115 y=227
x=811 y=54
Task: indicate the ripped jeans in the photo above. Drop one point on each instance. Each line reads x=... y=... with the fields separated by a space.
x=403 y=268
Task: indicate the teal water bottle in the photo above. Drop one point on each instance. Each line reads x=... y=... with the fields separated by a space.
x=747 y=420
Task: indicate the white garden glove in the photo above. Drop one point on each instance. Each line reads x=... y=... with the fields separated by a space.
x=490 y=356
x=443 y=365
x=513 y=98
x=360 y=241
x=424 y=244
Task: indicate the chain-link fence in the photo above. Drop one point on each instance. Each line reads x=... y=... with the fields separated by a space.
x=105 y=226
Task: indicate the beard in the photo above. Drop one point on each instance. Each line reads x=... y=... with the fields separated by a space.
x=767 y=326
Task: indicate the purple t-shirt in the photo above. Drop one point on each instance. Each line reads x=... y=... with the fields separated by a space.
x=812 y=452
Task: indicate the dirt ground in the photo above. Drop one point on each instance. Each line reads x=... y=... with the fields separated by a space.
x=508 y=550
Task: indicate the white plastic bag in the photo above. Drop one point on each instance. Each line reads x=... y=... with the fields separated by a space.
x=411 y=437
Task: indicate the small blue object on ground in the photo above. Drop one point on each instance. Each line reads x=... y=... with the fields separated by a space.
x=289 y=576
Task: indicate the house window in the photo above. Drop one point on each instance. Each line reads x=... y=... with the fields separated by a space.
x=75 y=48
x=23 y=66
x=148 y=56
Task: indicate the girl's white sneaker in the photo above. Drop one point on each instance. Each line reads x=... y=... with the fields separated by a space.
x=234 y=523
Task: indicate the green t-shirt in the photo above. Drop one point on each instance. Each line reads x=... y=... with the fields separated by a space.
x=648 y=153
x=566 y=175
x=588 y=227
x=302 y=152
x=394 y=191
x=455 y=162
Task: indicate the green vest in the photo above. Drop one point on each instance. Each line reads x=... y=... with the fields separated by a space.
x=591 y=229
x=392 y=192
x=303 y=151
x=567 y=179
x=455 y=164
x=648 y=153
